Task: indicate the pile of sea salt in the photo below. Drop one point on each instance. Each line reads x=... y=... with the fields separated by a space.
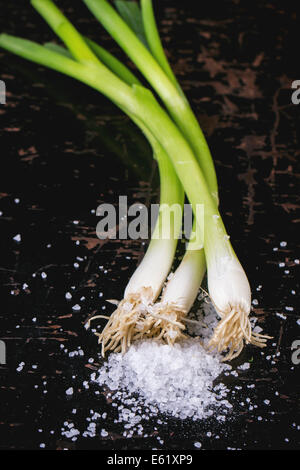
x=179 y=381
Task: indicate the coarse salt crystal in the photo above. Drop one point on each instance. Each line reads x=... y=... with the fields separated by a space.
x=76 y=308
x=151 y=370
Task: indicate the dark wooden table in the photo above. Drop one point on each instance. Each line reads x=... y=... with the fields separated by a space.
x=65 y=149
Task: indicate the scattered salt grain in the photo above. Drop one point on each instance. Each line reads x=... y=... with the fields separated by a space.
x=257 y=329
x=244 y=366
x=76 y=308
x=20 y=367
x=280 y=315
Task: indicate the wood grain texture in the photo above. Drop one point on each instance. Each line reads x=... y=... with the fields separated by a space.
x=65 y=150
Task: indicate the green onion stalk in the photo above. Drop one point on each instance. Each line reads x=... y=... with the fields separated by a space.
x=228 y=284
x=183 y=286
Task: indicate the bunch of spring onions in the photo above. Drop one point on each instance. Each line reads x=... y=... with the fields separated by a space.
x=185 y=167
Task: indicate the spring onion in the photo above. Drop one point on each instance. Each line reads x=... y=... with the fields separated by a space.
x=227 y=282
x=179 y=139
